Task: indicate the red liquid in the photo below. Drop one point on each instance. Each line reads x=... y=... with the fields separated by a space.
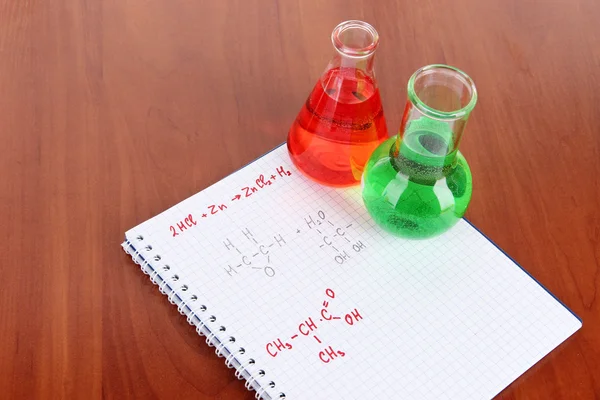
x=338 y=128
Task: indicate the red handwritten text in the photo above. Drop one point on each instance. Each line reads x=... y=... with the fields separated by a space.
x=309 y=327
x=329 y=354
x=181 y=226
x=276 y=346
x=260 y=183
x=215 y=209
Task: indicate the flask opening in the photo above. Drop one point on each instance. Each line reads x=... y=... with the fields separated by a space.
x=355 y=39
x=442 y=92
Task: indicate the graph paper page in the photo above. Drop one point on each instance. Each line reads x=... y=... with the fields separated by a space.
x=330 y=306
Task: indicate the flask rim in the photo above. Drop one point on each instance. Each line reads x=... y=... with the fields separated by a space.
x=355 y=51
x=433 y=112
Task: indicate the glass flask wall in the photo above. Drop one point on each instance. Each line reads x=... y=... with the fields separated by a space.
x=418 y=184
x=342 y=122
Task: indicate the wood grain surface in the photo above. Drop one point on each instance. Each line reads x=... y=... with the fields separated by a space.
x=113 y=110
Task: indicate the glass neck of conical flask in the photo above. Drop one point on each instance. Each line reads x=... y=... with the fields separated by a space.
x=440 y=100
x=355 y=43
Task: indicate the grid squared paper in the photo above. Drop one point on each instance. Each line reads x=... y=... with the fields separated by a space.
x=446 y=318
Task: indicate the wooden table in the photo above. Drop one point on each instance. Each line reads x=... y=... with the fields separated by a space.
x=111 y=111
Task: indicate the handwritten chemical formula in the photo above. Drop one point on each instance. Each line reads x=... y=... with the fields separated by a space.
x=262 y=182
x=310 y=326
x=333 y=237
x=336 y=238
x=258 y=259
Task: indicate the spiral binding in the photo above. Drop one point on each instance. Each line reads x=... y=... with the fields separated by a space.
x=194 y=312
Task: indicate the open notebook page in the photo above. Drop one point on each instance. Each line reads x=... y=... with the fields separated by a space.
x=330 y=306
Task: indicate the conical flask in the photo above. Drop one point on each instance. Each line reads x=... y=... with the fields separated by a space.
x=342 y=121
x=418 y=184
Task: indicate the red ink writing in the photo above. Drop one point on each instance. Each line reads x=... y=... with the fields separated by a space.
x=189 y=220
x=215 y=209
x=261 y=183
x=309 y=326
x=352 y=317
x=246 y=190
x=183 y=225
x=329 y=354
x=276 y=346
x=283 y=172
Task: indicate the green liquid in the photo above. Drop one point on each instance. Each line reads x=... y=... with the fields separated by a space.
x=420 y=190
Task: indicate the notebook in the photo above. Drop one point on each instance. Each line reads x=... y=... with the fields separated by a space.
x=306 y=298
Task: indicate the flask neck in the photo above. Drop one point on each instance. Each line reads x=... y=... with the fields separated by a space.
x=363 y=66
x=355 y=43
x=440 y=100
